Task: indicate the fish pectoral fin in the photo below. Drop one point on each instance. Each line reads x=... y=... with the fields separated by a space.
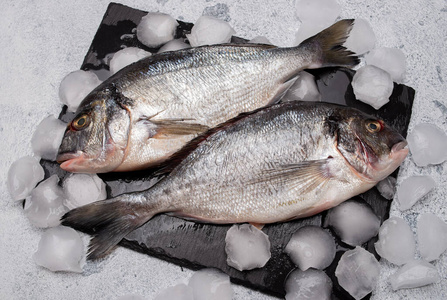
x=169 y=127
x=303 y=175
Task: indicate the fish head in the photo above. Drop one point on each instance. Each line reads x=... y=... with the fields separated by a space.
x=95 y=140
x=370 y=146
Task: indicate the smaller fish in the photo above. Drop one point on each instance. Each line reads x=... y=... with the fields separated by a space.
x=287 y=161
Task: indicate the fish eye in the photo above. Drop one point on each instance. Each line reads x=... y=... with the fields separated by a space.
x=373 y=126
x=81 y=122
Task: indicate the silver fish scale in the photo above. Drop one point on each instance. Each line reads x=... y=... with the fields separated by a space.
x=219 y=181
x=186 y=88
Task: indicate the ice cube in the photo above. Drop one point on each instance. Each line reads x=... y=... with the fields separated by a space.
x=209 y=31
x=414 y=274
x=308 y=29
x=178 y=292
x=174 y=45
x=310 y=284
x=260 y=40
x=412 y=189
x=396 y=241
x=23 y=175
x=428 y=144
x=75 y=86
x=318 y=11
x=156 y=29
x=126 y=57
x=48 y=137
x=387 y=187
x=391 y=60
x=357 y=272
x=311 y=247
x=432 y=236
x=211 y=284
x=353 y=221
x=44 y=207
x=372 y=85
x=361 y=38
x=82 y=189
x=247 y=247
x=304 y=89
x=131 y=297
x=60 y=249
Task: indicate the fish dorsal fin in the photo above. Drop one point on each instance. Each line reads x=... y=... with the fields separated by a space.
x=304 y=176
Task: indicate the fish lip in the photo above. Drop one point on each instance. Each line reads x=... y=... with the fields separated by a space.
x=63 y=157
x=403 y=145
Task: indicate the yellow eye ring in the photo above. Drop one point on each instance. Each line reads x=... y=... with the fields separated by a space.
x=374 y=126
x=81 y=122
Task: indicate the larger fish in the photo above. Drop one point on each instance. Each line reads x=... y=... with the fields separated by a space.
x=287 y=161
x=149 y=110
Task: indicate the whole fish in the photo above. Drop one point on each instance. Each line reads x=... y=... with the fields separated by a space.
x=287 y=161
x=152 y=108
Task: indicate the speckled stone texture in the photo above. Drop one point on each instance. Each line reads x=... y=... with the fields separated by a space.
x=42 y=41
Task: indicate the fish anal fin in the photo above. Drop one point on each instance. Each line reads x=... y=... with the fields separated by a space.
x=283 y=88
x=305 y=175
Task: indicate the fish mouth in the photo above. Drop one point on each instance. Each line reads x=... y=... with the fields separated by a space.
x=68 y=160
x=403 y=145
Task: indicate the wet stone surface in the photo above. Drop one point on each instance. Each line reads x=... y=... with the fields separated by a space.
x=196 y=245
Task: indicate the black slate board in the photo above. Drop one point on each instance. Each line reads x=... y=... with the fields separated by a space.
x=196 y=245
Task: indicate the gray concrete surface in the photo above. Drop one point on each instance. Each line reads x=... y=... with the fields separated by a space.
x=42 y=41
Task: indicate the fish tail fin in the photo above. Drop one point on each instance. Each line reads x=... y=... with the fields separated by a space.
x=327 y=46
x=108 y=221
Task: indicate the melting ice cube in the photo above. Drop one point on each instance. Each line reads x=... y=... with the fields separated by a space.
x=412 y=189
x=396 y=241
x=156 y=29
x=311 y=247
x=247 y=247
x=414 y=274
x=428 y=144
x=318 y=11
x=211 y=284
x=260 y=40
x=23 y=175
x=48 y=137
x=387 y=187
x=308 y=29
x=82 y=189
x=60 y=249
x=372 y=85
x=310 y=284
x=174 y=45
x=315 y=15
x=209 y=31
x=44 y=207
x=361 y=38
x=357 y=272
x=432 y=236
x=178 y=292
x=75 y=86
x=389 y=59
x=304 y=89
x=126 y=57
x=353 y=221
